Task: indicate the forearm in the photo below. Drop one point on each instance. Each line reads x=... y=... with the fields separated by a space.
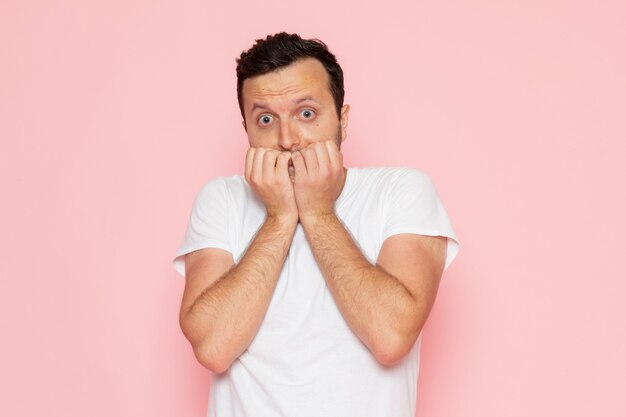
x=374 y=303
x=226 y=316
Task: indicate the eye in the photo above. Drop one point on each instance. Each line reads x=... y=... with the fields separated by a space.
x=265 y=119
x=307 y=114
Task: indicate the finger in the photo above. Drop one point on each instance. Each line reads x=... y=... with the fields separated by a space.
x=282 y=163
x=321 y=151
x=334 y=154
x=310 y=159
x=257 y=164
x=249 y=161
x=269 y=165
x=299 y=164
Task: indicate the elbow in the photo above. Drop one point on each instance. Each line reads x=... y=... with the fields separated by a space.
x=390 y=357
x=204 y=349
x=395 y=349
x=210 y=361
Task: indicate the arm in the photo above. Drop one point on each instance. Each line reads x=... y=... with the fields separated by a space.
x=223 y=307
x=223 y=319
x=387 y=312
x=385 y=305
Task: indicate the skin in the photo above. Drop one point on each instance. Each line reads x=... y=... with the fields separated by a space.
x=386 y=305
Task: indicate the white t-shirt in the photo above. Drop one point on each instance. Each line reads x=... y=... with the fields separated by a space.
x=305 y=359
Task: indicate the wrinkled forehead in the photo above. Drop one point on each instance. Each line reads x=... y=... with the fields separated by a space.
x=306 y=77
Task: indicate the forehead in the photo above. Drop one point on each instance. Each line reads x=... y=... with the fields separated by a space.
x=303 y=77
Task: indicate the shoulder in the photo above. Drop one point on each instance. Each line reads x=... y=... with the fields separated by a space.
x=233 y=190
x=224 y=185
x=391 y=176
x=412 y=175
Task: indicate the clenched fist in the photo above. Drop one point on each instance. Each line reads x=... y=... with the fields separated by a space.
x=267 y=173
x=319 y=178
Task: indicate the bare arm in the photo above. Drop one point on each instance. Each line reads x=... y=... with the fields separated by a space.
x=223 y=319
x=224 y=305
x=386 y=305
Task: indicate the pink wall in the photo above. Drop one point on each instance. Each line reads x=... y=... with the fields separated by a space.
x=113 y=114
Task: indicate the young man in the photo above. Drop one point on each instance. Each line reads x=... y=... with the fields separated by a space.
x=308 y=283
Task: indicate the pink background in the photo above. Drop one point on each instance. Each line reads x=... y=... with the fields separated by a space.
x=113 y=114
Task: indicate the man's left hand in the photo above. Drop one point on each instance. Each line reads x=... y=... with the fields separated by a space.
x=319 y=178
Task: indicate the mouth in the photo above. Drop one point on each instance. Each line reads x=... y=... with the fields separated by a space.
x=290 y=163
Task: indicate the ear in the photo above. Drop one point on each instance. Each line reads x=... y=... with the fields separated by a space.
x=344 y=121
x=243 y=122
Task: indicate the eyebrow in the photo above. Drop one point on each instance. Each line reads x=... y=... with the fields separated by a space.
x=297 y=101
x=305 y=98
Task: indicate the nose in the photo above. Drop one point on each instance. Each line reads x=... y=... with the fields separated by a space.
x=288 y=136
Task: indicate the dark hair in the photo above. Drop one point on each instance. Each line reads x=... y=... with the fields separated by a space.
x=282 y=49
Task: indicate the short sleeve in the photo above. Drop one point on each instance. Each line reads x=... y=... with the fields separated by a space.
x=208 y=223
x=413 y=206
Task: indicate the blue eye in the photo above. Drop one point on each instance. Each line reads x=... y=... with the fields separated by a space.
x=265 y=119
x=307 y=113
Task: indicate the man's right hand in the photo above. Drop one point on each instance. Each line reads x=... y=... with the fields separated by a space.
x=219 y=292
x=268 y=175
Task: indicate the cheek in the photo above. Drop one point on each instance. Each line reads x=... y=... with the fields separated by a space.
x=317 y=130
x=261 y=136
x=312 y=129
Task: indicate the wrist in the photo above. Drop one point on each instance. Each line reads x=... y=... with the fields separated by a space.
x=283 y=219
x=311 y=218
